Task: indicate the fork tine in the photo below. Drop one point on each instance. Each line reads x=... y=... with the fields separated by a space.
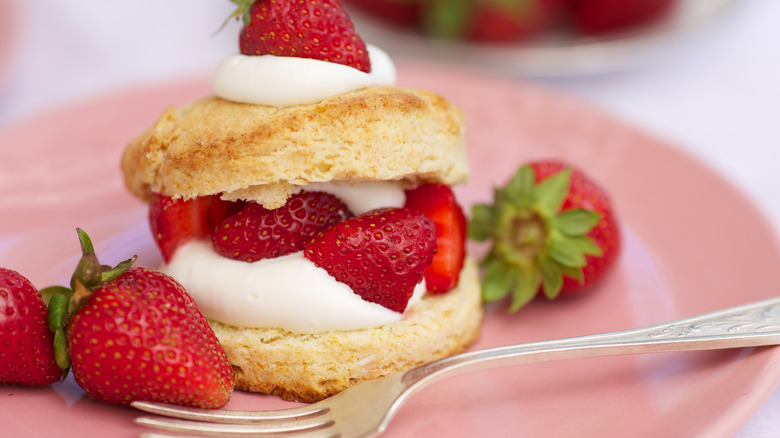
x=311 y=434
x=243 y=430
x=314 y=434
x=226 y=416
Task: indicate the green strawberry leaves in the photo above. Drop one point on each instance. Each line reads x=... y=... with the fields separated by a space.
x=446 y=18
x=535 y=244
x=56 y=313
x=547 y=197
x=243 y=11
x=575 y=222
x=90 y=274
x=63 y=302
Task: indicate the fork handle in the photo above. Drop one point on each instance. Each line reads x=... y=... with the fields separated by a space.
x=749 y=325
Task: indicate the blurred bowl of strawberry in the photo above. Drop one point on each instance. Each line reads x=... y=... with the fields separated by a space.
x=532 y=37
x=609 y=17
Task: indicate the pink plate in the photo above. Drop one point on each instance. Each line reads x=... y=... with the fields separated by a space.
x=693 y=244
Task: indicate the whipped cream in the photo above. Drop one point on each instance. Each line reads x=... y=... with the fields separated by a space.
x=364 y=196
x=284 y=81
x=287 y=292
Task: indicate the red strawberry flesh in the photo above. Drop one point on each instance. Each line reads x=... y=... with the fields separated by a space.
x=176 y=221
x=381 y=255
x=257 y=233
x=437 y=201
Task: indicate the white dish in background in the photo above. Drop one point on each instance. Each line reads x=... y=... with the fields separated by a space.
x=553 y=56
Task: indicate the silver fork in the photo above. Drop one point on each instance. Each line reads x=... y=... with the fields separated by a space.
x=366 y=408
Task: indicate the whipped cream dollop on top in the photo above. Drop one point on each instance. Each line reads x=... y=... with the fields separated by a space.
x=284 y=81
x=287 y=292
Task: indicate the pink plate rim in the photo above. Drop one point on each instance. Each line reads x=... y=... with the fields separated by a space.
x=67 y=175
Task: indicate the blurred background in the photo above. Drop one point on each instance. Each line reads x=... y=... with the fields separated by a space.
x=706 y=78
x=702 y=74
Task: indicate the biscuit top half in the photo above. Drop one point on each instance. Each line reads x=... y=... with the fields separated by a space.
x=263 y=153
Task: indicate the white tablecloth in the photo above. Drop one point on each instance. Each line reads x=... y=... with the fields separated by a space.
x=716 y=95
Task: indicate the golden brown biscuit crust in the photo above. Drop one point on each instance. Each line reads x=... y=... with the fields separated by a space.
x=311 y=367
x=261 y=153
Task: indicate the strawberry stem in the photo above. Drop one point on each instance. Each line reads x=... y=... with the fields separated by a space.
x=56 y=315
x=49 y=292
x=110 y=273
x=89 y=272
x=86 y=243
x=535 y=244
x=63 y=302
x=525 y=234
x=243 y=11
x=81 y=294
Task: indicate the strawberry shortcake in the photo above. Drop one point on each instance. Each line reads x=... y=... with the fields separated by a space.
x=307 y=208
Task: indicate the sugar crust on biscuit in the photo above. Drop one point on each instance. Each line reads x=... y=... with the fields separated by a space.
x=262 y=153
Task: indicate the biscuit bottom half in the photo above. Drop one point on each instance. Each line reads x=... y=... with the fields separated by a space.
x=311 y=367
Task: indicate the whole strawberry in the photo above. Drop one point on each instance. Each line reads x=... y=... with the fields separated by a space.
x=401 y=12
x=553 y=230
x=316 y=29
x=135 y=334
x=256 y=233
x=492 y=21
x=381 y=255
x=501 y=21
x=27 y=348
x=602 y=17
x=141 y=337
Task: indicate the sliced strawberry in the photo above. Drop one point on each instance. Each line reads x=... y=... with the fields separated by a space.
x=256 y=233
x=316 y=29
x=175 y=222
x=382 y=255
x=437 y=201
